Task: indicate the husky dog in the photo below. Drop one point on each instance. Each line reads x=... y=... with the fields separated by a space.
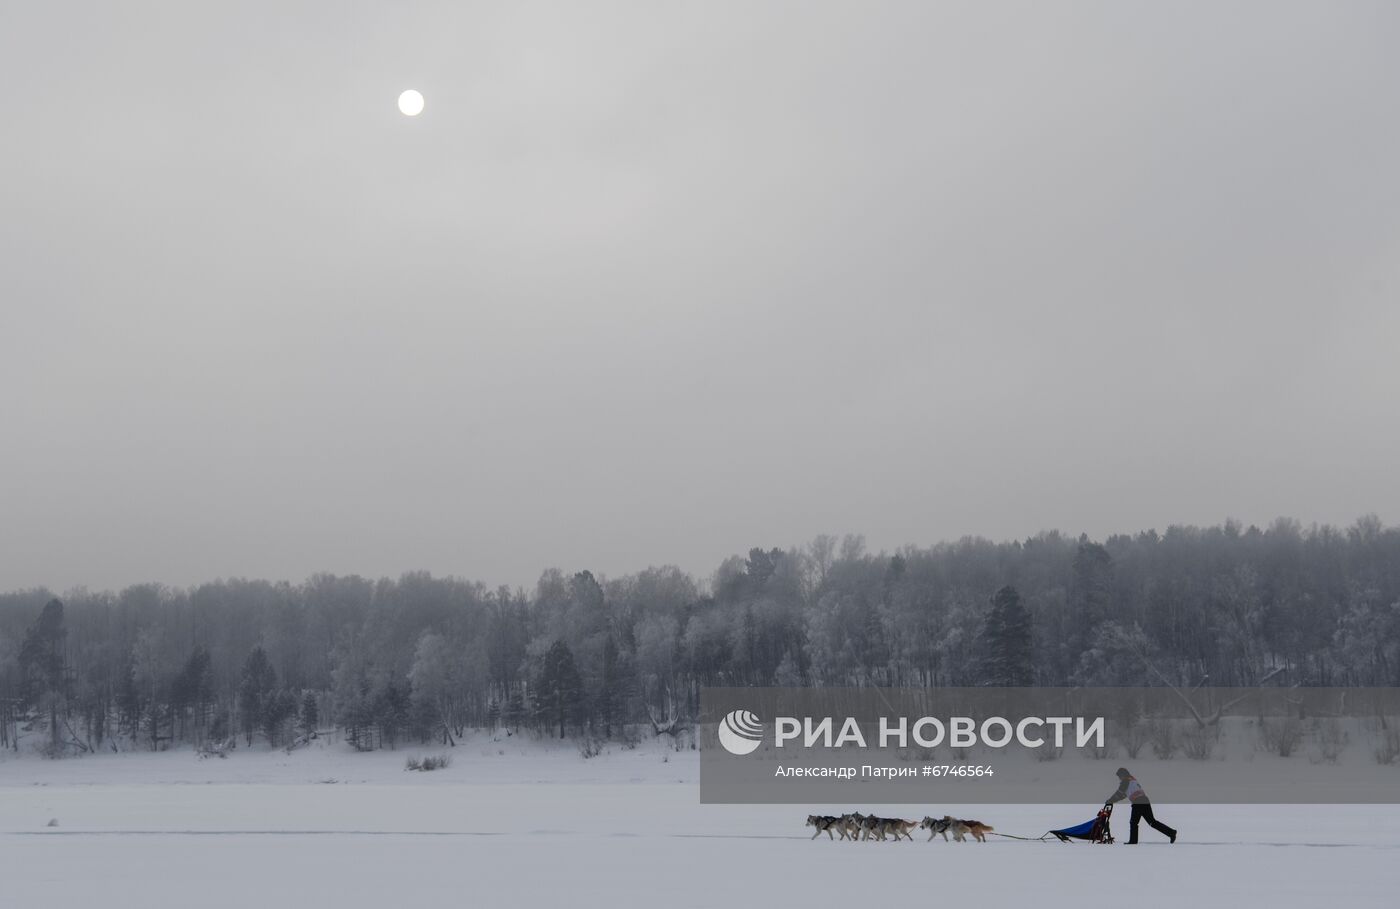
x=850 y=825
x=825 y=822
x=882 y=828
x=935 y=826
x=899 y=827
x=879 y=828
x=978 y=830
x=960 y=829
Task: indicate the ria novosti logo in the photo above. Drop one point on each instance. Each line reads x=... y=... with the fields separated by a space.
x=740 y=732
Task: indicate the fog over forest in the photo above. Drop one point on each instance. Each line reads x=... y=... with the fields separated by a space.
x=422 y=658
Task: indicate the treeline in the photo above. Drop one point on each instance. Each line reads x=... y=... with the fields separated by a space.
x=423 y=657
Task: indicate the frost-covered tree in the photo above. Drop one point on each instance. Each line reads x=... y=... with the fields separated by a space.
x=192 y=693
x=44 y=671
x=256 y=692
x=278 y=710
x=435 y=682
x=310 y=719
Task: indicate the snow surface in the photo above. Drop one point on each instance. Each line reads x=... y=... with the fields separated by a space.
x=524 y=823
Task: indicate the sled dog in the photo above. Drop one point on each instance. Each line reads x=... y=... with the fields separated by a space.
x=957 y=828
x=827 y=823
x=978 y=829
x=899 y=827
x=935 y=826
x=872 y=827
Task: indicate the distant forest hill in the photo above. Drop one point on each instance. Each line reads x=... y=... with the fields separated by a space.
x=423 y=658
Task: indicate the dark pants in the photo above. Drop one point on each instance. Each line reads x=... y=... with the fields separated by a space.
x=1144 y=810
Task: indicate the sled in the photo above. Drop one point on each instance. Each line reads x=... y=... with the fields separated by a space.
x=1094 y=831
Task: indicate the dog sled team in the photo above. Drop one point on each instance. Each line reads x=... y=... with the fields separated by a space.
x=857 y=826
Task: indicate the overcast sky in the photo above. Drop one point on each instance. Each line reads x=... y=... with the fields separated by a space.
x=656 y=282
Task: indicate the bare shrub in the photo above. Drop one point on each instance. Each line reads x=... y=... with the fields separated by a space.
x=1281 y=735
x=1387 y=750
x=1198 y=742
x=1162 y=735
x=428 y=763
x=590 y=747
x=1135 y=737
x=1331 y=740
x=629 y=737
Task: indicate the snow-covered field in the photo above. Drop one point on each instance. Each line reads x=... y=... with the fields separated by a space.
x=524 y=823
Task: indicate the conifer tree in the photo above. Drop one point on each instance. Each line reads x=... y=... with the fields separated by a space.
x=1006 y=637
x=310 y=713
x=559 y=691
x=259 y=682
